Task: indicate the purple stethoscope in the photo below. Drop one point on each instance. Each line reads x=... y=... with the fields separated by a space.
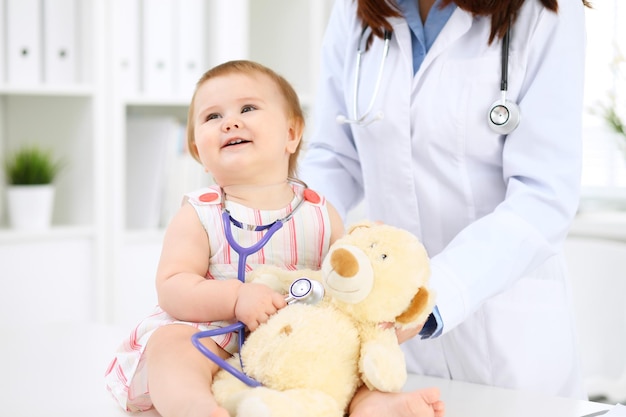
x=301 y=290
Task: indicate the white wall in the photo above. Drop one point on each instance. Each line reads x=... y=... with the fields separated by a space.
x=604 y=162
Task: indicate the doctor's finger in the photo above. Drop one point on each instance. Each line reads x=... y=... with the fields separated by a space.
x=405 y=334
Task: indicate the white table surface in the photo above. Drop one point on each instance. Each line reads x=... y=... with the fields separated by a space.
x=464 y=399
x=58 y=371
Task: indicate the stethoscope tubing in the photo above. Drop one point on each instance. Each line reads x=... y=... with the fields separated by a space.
x=239 y=374
x=362 y=120
x=238 y=327
x=243 y=253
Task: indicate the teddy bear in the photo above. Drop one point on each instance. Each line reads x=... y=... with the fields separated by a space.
x=310 y=359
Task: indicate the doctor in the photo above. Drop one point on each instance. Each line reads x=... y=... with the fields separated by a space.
x=470 y=138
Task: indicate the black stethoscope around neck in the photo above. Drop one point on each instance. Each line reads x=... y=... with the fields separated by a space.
x=503 y=115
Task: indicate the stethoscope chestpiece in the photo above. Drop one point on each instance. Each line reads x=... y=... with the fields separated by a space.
x=304 y=290
x=503 y=117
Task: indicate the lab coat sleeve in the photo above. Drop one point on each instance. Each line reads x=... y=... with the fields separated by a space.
x=330 y=164
x=541 y=170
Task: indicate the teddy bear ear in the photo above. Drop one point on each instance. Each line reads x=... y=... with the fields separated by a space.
x=361 y=224
x=418 y=311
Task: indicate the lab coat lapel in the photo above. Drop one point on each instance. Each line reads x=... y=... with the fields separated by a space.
x=402 y=34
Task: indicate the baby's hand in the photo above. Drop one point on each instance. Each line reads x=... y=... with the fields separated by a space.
x=256 y=303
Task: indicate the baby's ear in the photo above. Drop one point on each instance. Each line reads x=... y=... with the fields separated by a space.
x=295 y=136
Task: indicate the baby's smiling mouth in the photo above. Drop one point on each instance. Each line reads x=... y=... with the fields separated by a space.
x=236 y=141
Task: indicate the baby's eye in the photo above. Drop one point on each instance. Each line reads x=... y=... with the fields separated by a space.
x=247 y=108
x=212 y=116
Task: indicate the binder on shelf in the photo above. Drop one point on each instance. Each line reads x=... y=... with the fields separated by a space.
x=127 y=22
x=60 y=20
x=23 y=51
x=190 y=38
x=158 y=47
x=220 y=27
x=148 y=140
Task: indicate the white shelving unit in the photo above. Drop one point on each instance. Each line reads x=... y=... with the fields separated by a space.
x=56 y=275
x=93 y=263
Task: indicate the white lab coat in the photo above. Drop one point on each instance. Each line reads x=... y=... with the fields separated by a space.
x=492 y=211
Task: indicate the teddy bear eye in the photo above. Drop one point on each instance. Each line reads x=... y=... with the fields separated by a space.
x=383 y=256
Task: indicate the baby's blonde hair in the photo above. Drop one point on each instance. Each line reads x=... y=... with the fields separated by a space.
x=294 y=110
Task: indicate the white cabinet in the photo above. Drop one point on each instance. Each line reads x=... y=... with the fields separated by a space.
x=54 y=275
x=135 y=69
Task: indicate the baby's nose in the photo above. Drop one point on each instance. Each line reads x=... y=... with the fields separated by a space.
x=231 y=124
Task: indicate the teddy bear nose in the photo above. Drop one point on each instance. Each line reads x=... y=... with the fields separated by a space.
x=344 y=263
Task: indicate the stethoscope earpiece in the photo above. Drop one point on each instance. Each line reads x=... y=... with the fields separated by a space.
x=341 y=119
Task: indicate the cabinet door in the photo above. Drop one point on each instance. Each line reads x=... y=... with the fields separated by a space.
x=597 y=270
x=46 y=281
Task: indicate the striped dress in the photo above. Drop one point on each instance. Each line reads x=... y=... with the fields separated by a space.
x=301 y=243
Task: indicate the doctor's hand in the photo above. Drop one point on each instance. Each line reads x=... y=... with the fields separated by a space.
x=256 y=303
x=403 y=334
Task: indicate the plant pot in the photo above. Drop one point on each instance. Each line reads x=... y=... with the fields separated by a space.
x=30 y=206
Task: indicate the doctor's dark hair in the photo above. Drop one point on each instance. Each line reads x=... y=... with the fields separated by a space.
x=374 y=13
x=250 y=68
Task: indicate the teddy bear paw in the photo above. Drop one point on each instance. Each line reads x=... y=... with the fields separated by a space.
x=383 y=369
x=253 y=407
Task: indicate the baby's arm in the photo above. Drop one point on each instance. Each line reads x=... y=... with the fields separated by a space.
x=185 y=293
x=337 y=228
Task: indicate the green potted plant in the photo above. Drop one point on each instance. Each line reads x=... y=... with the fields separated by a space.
x=615 y=121
x=30 y=172
x=614 y=110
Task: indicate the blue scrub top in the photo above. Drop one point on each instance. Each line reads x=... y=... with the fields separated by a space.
x=423 y=35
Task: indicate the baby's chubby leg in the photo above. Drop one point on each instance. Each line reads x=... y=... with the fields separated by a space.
x=179 y=375
x=419 y=403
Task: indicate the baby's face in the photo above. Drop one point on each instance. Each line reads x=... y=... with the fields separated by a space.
x=242 y=129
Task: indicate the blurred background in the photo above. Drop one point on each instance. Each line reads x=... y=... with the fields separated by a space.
x=103 y=86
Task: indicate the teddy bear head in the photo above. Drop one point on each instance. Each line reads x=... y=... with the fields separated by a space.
x=379 y=273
